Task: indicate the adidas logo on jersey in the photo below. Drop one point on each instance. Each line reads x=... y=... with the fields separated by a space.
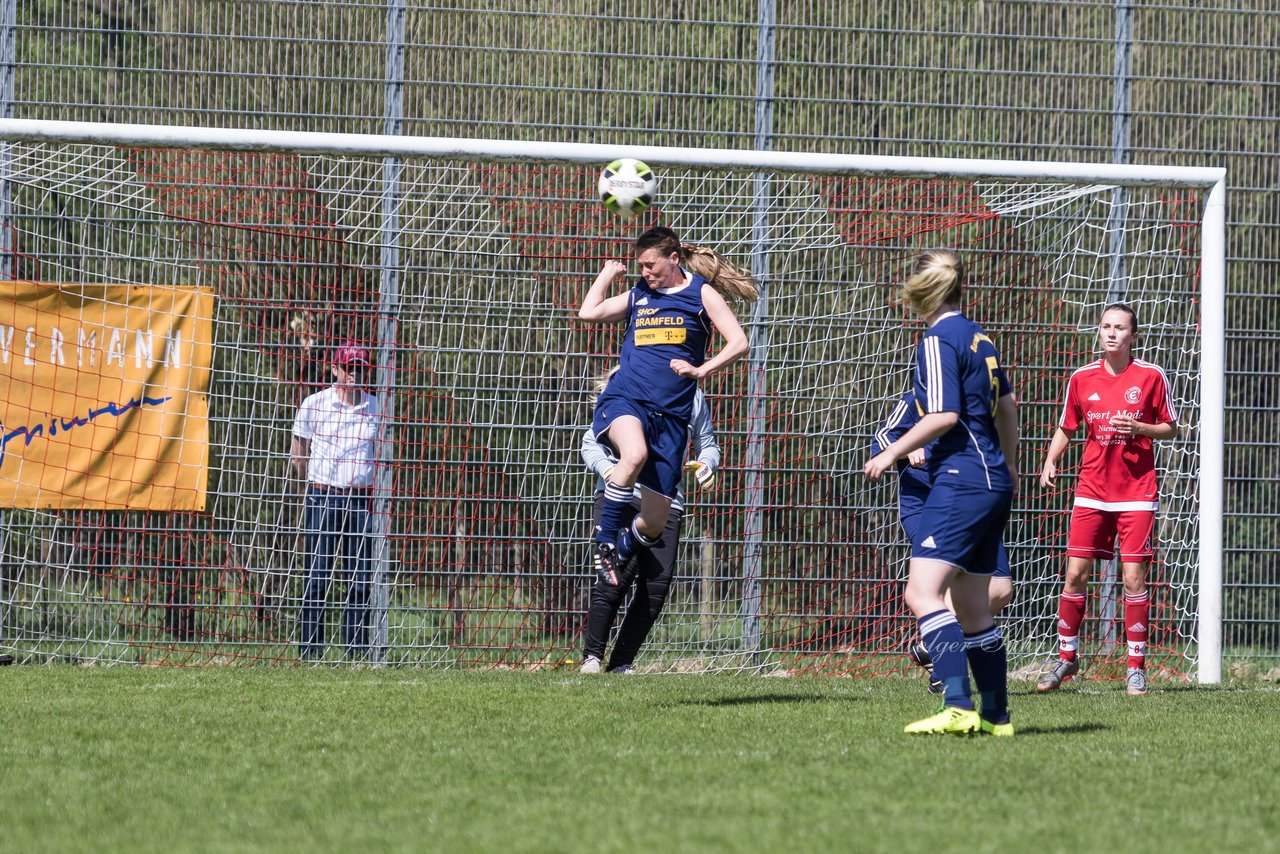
x=929 y=543
x=642 y=301
x=1094 y=396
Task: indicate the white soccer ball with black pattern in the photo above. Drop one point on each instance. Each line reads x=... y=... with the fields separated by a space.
x=628 y=186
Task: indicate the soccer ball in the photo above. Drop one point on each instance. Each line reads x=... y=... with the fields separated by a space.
x=628 y=187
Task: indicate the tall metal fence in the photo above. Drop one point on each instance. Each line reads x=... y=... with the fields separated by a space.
x=1161 y=83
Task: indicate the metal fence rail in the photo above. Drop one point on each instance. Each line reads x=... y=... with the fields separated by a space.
x=1163 y=83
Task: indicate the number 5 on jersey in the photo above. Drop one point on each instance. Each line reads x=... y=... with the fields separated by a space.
x=993 y=365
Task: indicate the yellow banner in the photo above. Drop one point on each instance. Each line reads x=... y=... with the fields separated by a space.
x=667 y=335
x=103 y=396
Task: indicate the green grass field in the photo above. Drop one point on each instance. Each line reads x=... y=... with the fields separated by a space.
x=154 y=759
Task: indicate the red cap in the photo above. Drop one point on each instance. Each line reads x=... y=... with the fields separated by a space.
x=350 y=354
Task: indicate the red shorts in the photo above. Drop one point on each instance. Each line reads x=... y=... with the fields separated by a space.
x=1093 y=533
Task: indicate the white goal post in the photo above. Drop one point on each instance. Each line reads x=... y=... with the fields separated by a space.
x=774 y=575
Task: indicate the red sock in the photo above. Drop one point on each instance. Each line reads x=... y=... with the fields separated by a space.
x=1137 y=610
x=1070 y=617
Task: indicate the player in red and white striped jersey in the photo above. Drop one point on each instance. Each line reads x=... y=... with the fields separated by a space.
x=1124 y=404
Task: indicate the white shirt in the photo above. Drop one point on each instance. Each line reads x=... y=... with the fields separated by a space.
x=343 y=438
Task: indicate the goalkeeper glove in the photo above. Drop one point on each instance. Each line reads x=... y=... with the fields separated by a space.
x=705 y=474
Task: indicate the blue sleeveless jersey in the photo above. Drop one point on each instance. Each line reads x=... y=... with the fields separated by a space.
x=958 y=370
x=662 y=327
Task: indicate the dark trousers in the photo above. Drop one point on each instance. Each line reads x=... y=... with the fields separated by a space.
x=330 y=520
x=651 y=577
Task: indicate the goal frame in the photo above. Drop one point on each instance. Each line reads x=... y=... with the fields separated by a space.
x=1212 y=244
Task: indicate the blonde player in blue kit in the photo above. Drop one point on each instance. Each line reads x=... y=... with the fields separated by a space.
x=643 y=414
x=968 y=407
x=913 y=493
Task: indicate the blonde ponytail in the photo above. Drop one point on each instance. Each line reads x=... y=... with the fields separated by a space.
x=729 y=281
x=602 y=382
x=937 y=280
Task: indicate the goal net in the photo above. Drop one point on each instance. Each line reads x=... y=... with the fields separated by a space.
x=177 y=539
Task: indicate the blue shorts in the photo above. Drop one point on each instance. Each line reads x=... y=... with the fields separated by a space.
x=913 y=492
x=910 y=518
x=962 y=526
x=666 y=436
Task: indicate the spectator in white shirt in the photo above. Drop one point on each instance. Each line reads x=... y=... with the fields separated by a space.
x=335 y=452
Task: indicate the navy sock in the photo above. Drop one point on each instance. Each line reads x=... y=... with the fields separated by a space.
x=615 y=513
x=627 y=544
x=990 y=664
x=631 y=540
x=945 y=641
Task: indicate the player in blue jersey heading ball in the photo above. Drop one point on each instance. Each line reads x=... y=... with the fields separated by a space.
x=643 y=414
x=967 y=410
